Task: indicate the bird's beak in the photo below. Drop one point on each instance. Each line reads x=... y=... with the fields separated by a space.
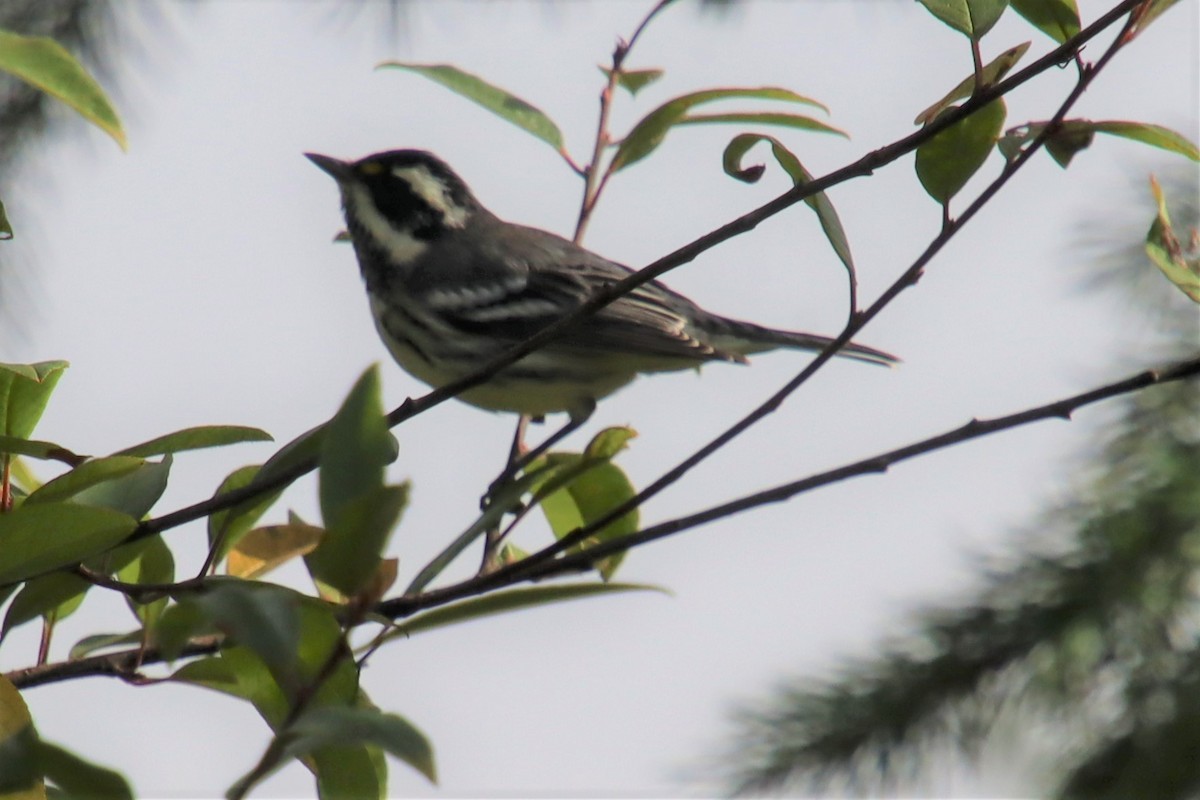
x=338 y=170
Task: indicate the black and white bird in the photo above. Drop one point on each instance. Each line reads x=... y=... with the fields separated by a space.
x=451 y=286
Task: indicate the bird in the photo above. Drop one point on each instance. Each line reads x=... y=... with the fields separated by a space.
x=451 y=286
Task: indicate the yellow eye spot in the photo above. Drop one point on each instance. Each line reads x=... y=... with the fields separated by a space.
x=371 y=168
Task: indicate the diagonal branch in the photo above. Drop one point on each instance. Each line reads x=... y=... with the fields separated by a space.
x=743 y=224
x=906 y=280
x=974 y=429
x=123 y=663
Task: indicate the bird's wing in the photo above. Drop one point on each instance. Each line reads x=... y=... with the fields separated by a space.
x=528 y=294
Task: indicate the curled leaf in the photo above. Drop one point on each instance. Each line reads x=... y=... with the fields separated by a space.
x=820 y=203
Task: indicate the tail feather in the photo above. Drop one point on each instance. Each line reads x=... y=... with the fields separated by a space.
x=745 y=338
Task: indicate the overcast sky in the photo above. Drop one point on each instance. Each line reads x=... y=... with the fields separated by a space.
x=193 y=280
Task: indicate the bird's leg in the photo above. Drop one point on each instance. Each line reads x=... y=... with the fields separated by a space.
x=491 y=542
x=518 y=459
x=577 y=418
x=518 y=444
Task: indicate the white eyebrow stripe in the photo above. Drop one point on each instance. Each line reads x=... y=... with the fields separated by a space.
x=400 y=245
x=434 y=192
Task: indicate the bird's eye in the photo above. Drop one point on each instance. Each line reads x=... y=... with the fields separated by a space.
x=371 y=168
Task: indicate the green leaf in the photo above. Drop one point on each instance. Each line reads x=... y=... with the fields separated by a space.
x=263 y=549
x=765 y=118
x=197 y=438
x=154 y=565
x=947 y=161
x=6 y=231
x=506 y=501
x=111 y=561
x=238 y=672
x=972 y=18
x=42 y=596
x=86 y=475
x=22 y=477
x=1074 y=135
x=44 y=63
x=324 y=727
x=262 y=617
x=502 y=602
x=24 y=391
x=993 y=72
x=609 y=442
x=102 y=641
x=1154 y=135
x=1062 y=145
x=633 y=81
x=588 y=498
x=177 y=625
x=39 y=538
x=500 y=102
x=351 y=551
x=304 y=449
x=80 y=778
x=347 y=772
x=227 y=526
x=354 y=451
x=1058 y=19
x=1163 y=247
x=134 y=493
x=19 y=768
x=649 y=132
x=820 y=203
x=359 y=511
x=34 y=448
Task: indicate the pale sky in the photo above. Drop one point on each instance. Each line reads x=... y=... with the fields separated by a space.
x=193 y=280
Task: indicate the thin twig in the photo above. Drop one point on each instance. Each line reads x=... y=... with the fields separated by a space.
x=139 y=592
x=122 y=664
x=396 y=608
x=522 y=571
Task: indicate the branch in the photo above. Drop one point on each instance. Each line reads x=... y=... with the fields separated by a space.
x=743 y=224
x=976 y=428
x=122 y=664
x=856 y=323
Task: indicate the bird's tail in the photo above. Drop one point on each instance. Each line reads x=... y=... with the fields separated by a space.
x=744 y=338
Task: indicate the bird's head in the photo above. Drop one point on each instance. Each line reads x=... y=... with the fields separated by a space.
x=399 y=201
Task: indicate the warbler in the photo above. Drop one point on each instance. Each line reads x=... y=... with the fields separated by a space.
x=451 y=286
